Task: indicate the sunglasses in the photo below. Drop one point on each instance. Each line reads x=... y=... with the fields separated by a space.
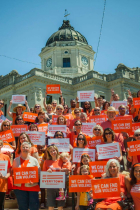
x=96 y=129
x=137 y=135
x=96 y=110
x=6 y=125
x=37 y=106
x=108 y=133
x=122 y=108
x=79 y=139
x=19 y=119
x=76 y=112
x=77 y=124
x=58 y=135
x=59 y=108
x=65 y=107
x=1 y=103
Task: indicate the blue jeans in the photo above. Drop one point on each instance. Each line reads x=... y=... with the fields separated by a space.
x=27 y=200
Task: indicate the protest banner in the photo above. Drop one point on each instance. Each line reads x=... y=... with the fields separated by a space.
x=77 y=152
x=25 y=175
x=87 y=128
x=134 y=148
x=53 y=89
x=119 y=126
x=7 y=148
x=107 y=151
x=18 y=99
x=116 y=104
x=3 y=167
x=37 y=138
x=105 y=188
x=97 y=168
x=78 y=183
x=103 y=112
x=93 y=141
x=53 y=128
x=136 y=102
x=29 y=117
x=85 y=95
x=43 y=128
x=135 y=126
x=63 y=144
x=98 y=119
x=7 y=136
x=52 y=180
x=54 y=118
x=18 y=129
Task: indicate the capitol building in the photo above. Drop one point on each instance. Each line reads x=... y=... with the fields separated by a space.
x=67 y=59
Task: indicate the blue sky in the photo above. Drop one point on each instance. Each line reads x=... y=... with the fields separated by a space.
x=26 y=26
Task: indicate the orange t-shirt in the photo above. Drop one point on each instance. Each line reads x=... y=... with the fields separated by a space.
x=54 y=165
x=1 y=113
x=36 y=188
x=67 y=165
x=4 y=182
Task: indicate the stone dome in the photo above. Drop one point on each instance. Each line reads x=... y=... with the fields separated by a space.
x=66 y=33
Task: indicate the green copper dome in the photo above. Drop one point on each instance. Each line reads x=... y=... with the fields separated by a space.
x=66 y=33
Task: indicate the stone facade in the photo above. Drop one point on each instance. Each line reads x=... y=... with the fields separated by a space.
x=80 y=74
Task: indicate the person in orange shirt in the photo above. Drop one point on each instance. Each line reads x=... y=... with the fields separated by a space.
x=87 y=108
x=26 y=194
x=135 y=183
x=1 y=106
x=23 y=137
x=53 y=164
x=3 y=179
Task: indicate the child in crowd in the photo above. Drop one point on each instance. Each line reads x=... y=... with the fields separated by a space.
x=65 y=157
x=85 y=159
x=84 y=199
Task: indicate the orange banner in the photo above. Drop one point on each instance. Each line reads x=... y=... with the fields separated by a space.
x=43 y=128
x=92 y=142
x=136 y=102
x=53 y=89
x=119 y=126
x=135 y=126
x=7 y=136
x=134 y=147
x=25 y=175
x=97 y=168
x=18 y=129
x=54 y=118
x=127 y=117
x=98 y=119
x=29 y=117
x=104 y=188
x=80 y=183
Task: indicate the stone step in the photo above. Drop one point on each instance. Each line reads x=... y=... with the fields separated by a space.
x=12 y=204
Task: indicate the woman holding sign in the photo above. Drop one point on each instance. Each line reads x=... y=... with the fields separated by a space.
x=109 y=137
x=4 y=162
x=135 y=183
x=27 y=193
x=53 y=164
x=113 y=171
x=5 y=126
x=18 y=109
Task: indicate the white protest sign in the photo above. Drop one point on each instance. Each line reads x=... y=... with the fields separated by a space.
x=116 y=104
x=62 y=144
x=53 y=128
x=106 y=151
x=87 y=128
x=77 y=152
x=85 y=95
x=37 y=138
x=16 y=99
x=52 y=180
x=3 y=167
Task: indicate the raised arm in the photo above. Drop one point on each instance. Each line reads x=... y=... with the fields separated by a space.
x=62 y=99
x=27 y=106
x=112 y=94
x=44 y=101
x=77 y=102
x=8 y=110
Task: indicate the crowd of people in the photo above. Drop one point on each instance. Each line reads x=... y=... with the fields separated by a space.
x=48 y=158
